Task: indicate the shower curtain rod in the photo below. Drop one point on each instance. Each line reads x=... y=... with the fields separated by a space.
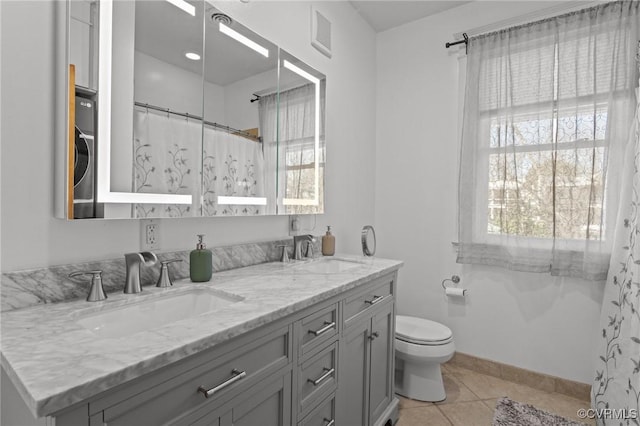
x=195 y=117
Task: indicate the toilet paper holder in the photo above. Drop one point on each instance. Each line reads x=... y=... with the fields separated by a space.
x=453 y=290
x=454 y=279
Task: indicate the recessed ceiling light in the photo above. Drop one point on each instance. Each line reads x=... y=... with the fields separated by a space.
x=192 y=56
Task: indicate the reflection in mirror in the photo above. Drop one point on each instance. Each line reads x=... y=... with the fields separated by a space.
x=115 y=113
x=167 y=92
x=177 y=110
x=301 y=142
x=240 y=66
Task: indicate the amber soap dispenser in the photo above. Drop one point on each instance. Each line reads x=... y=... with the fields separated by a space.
x=328 y=243
x=200 y=262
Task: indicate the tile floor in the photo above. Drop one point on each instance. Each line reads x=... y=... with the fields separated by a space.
x=472 y=397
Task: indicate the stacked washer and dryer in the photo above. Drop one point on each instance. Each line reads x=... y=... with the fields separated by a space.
x=84 y=167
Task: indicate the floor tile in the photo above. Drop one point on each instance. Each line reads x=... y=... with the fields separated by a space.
x=473 y=413
x=491 y=403
x=489 y=387
x=450 y=368
x=412 y=403
x=422 y=416
x=456 y=390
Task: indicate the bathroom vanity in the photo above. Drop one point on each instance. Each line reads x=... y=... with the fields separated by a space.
x=304 y=343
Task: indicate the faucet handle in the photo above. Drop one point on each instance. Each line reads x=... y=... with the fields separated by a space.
x=309 y=253
x=96 y=291
x=285 y=254
x=165 y=280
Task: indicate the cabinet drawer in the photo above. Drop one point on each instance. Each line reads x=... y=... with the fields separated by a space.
x=317 y=377
x=221 y=378
x=323 y=415
x=317 y=328
x=358 y=304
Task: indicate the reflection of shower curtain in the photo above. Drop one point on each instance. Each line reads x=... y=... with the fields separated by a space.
x=617 y=379
x=166 y=160
x=232 y=166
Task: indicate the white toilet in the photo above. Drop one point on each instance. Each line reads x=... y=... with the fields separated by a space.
x=421 y=346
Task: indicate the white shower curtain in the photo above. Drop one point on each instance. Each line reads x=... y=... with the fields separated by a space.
x=232 y=166
x=617 y=380
x=166 y=160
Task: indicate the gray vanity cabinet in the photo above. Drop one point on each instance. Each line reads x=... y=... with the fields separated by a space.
x=268 y=404
x=238 y=370
x=366 y=391
x=329 y=364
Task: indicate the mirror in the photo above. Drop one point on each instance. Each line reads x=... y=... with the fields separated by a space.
x=240 y=68
x=192 y=114
x=301 y=144
x=368 y=239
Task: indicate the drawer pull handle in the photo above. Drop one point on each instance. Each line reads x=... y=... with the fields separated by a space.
x=328 y=373
x=375 y=300
x=328 y=326
x=373 y=335
x=331 y=422
x=237 y=375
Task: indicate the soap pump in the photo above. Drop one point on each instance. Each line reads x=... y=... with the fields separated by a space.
x=328 y=243
x=200 y=262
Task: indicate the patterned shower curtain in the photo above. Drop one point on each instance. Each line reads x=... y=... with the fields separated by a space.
x=166 y=158
x=616 y=385
x=232 y=165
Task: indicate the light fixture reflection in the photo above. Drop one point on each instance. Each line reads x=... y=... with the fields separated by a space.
x=181 y=4
x=245 y=201
x=193 y=56
x=244 y=40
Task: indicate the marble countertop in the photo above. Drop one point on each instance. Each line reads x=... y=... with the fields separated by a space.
x=54 y=362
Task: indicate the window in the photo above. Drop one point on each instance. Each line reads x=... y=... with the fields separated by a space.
x=548 y=186
x=547 y=113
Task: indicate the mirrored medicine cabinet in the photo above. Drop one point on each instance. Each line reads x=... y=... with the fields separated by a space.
x=175 y=109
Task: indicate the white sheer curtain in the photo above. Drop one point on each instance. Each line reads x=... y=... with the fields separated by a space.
x=268 y=121
x=547 y=112
x=291 y=159
x=166 y=160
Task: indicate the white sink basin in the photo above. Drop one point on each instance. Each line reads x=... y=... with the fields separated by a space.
x=328 y=265
x=154 y=312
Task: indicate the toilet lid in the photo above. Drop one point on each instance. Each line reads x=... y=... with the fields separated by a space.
x=421 y=331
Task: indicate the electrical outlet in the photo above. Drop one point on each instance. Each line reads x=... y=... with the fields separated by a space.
x=150 y=235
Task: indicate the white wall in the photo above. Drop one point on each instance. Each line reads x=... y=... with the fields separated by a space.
x=31 y=237
x=532 y=321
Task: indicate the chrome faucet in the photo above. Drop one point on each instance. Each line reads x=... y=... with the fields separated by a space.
x=297 y=246
x=134 y=260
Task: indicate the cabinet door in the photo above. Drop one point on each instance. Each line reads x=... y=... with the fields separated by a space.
x=267 y=405
x=354 y=379
x=382 y=356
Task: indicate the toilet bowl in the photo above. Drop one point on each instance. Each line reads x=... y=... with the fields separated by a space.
x=421 y=346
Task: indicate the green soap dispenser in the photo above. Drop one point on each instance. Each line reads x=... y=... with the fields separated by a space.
x=200 y=262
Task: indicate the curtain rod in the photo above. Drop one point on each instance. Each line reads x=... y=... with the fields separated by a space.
x=195 y=117
x=465 y=41
x=537 y=15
